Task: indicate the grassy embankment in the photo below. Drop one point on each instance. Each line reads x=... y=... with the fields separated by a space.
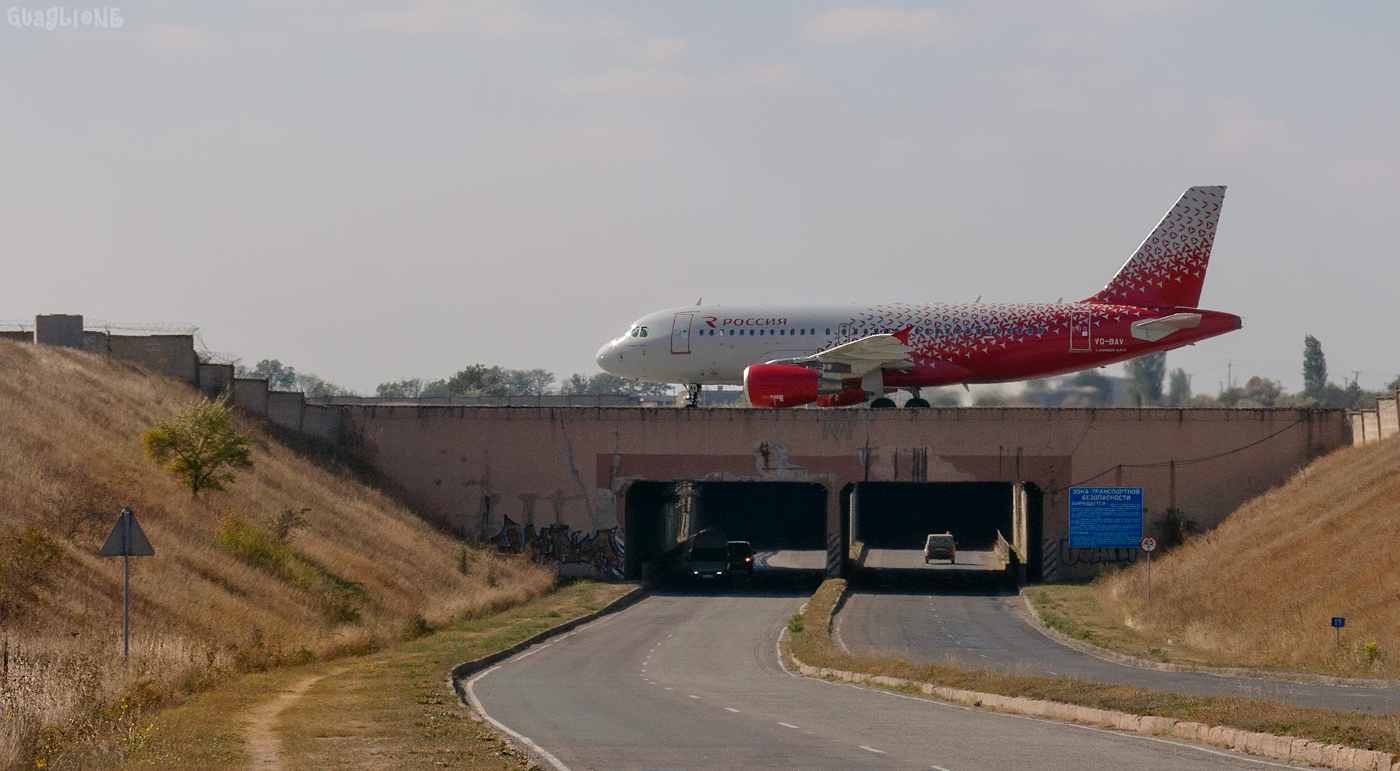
x=224 y=595
x=389 y=710
x=810 y=641
x=1260 y=589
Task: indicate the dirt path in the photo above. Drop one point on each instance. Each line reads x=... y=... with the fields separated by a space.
x=264 y=746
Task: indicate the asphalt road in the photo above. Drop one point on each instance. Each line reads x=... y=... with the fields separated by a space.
x=992 y=630
x=693 y=682
x=913 y=559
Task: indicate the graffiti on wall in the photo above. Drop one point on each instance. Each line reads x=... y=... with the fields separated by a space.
x=557 y=545
x=1056 y=553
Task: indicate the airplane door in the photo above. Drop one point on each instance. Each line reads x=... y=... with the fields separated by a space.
x=1081 y=331
x=680 y=333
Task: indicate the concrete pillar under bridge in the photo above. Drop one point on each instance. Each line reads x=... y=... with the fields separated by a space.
x=554 y=482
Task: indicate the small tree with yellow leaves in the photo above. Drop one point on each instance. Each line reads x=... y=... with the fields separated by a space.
x=199 y=445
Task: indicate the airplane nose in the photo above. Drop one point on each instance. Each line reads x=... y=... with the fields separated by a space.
x=602 y=358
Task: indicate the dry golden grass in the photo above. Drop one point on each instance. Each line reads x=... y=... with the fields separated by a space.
x=71 y=458
x=813 y=645
x=1260 y=589
x=390 y=710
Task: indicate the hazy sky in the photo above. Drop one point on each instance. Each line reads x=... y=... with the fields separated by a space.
x=378 y=190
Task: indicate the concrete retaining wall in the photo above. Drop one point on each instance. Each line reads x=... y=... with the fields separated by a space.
x=216 y=379
x=285 y=407
x=488 y=470
x=251 y=394
x=171 y=355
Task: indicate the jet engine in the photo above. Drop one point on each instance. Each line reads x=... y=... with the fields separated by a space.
x=790 y=385
x=780 y=385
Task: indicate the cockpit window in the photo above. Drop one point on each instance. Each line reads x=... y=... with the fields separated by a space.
x=637 y=332
x=644 y=331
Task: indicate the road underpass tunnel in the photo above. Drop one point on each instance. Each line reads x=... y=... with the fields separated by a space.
x=772 y=516
x=643 y=526
x=785 y=522
x=900 y=515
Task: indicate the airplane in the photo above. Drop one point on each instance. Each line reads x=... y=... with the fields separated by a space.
x=845 y=355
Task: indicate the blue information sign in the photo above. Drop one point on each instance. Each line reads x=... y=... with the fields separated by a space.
x=1339 y=622
x=1105 y=517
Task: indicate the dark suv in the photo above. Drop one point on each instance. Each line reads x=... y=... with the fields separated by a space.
x=740 y=558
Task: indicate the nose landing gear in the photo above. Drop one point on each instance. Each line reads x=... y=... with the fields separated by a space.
x=692 y=395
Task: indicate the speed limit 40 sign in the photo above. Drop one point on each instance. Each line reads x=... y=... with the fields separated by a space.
x=1149 y=544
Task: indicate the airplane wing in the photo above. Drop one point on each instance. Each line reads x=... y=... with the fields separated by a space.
x=864 y=355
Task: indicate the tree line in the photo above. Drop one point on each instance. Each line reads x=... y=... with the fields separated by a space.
x=1147 y=383
x=483 y=380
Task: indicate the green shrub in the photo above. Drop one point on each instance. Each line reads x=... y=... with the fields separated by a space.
x=795 y=624
x=339 y=599
x=29 y=558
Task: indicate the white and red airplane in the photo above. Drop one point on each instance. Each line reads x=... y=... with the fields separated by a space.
x=838 y=355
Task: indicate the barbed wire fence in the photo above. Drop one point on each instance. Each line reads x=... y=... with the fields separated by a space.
x=202 y=350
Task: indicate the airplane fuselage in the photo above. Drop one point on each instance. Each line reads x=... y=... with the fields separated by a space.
x=838 y=355
x=969 y=343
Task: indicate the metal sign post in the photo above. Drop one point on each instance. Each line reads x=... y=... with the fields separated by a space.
x=126 y=541
x=1149 y=545
x=1337 y=623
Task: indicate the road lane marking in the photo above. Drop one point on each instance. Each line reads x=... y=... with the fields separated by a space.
x=939 y=768
x=872 y=749
x=787 y=725
x=527 y=741
x=693 y=696
x=731 y=709
x=670 y=688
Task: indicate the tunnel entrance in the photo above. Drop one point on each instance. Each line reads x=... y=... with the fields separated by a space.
x=898 y=515
x=890 y=520
x=781 y=520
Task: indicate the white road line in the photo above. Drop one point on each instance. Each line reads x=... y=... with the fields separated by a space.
x=670 y=689
x=939 y=768
x=872 y=749
x=787 y=725
x=527 y=741
x=731 y=709
x=693 y=696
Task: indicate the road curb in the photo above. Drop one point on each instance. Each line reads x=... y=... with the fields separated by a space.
x=1240 y=672
x=462 y=671
x=1286 y=748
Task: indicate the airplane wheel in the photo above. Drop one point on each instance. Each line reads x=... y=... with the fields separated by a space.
x=882 y=404
x=916 y=403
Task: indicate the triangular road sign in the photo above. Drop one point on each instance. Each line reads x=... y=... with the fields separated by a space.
x=126 y=539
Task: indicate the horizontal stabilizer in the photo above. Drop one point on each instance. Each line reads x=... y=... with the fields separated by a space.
x=1168 y=269
x=1153 y=330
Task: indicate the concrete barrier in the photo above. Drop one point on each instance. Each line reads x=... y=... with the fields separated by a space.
x=1286 y=748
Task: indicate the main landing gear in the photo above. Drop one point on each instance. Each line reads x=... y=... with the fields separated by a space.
x=882 y=403
x=917 y=401
x=692 y=395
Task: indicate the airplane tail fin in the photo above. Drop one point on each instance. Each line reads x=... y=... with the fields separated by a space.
x=1169 y=267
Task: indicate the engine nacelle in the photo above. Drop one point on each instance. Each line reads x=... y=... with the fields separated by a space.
x=852 y=395
x=780 y=385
